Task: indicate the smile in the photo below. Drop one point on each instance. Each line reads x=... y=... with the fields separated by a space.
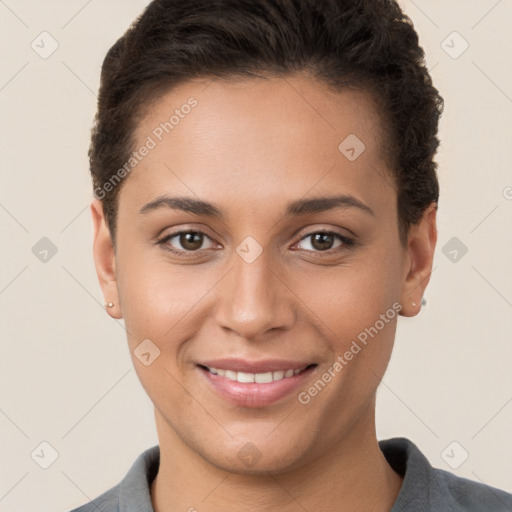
x=260 y=378
x=258 y=388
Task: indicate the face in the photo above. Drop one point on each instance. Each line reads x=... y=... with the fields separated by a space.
x=259 y=236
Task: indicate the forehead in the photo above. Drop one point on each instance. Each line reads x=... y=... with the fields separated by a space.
x=259 y=136
x=258 y=104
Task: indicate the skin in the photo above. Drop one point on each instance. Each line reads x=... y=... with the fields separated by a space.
x=251 y=147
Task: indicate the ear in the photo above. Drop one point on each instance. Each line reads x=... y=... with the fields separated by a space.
x=421 y=243
x=104 y=259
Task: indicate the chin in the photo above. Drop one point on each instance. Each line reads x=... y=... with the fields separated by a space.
x=254 y=455
x=252 y=461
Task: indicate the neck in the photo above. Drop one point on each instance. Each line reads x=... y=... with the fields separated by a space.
x=353 y=475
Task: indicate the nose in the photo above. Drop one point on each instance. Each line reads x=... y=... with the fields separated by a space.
x=254 y=299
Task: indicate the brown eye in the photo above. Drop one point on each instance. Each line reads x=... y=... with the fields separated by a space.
x=191 y=240
x=185 y=242
x=323 y=241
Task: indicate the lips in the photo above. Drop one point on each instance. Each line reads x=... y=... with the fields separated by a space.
x=254 y=383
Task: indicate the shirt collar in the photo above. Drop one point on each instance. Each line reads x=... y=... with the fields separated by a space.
x=408 y=461
x=135 y=488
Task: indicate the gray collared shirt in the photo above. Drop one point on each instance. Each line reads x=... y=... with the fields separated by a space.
x=424 y=489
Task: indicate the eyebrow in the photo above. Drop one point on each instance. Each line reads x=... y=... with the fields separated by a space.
x=295 y=208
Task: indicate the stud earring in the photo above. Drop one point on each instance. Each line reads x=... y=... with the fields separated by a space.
x=109 y=304
x=414 y=304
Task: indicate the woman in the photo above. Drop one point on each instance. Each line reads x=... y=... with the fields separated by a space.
x=265 y=209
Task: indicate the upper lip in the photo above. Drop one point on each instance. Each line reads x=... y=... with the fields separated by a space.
x=262 y=366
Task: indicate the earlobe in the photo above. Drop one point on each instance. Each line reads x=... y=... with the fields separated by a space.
x=421 y=245
x=104 y=260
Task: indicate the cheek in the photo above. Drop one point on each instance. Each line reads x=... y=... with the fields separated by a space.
x=159 y=302
x=351 y=297
x=358 y=306
x=157 y=297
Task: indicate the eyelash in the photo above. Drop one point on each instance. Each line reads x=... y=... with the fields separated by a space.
x=347 y=242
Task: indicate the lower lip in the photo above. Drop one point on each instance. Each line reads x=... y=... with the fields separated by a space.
x=252 y=394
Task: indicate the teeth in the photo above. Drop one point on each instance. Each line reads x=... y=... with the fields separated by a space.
x=261 y=378
x=231 y=375
x=245 y=377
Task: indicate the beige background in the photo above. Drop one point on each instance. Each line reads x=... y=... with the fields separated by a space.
x=65 y=373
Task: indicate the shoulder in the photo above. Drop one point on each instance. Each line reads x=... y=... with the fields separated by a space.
x=133 y=493
x=107 y=502
x=469 y=495
x=428 y=488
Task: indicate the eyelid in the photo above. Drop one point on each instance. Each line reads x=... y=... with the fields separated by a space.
x=343 y=232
